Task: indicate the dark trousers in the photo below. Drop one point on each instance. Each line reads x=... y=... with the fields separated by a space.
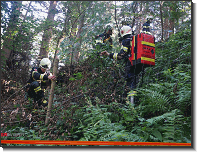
x=36 y=92
x=132 y=77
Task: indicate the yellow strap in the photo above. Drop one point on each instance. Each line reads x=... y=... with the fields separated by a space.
x=147 y=59
x=148 y=43
x=146 y=26
x=33 y=74
x=41 y=76
x=115 y=56
x=132 y=93
x=125 y=48
x=37 y=89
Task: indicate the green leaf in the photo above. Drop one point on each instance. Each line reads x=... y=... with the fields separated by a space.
x=157 y=134
x=71 y=79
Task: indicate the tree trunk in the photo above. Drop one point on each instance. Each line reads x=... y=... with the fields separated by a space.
x=166 y=24
x=53 y=83
x=139 y=21
x=171 y=22
x=79 y=32
x=161 y=13
x=46 y=38
x=8 y=45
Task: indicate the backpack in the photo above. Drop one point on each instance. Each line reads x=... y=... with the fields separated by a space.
x=143 y=50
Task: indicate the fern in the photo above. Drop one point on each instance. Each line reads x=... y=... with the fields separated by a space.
x=164 y=128
x=152 y=101
x=173 y=126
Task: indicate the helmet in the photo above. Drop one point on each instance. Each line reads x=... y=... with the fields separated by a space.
x=45 y=63
x=149 y=18
x=108 y=27
x=125 y=30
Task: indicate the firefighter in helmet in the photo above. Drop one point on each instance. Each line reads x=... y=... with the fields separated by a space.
x=105 y=39
x=146 y=25
x=39 y=80
x=125 y=52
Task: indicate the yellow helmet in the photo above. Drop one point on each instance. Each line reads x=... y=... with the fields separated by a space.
x=45 y=63
x=125 y=30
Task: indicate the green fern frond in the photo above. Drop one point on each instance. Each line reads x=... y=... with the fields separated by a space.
x=153 y=100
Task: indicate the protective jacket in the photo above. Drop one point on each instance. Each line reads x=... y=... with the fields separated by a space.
x=37 y=82
x=104 y=39
x=146 y=27
x=124 y=54
x=36 y=74
x=125 y=51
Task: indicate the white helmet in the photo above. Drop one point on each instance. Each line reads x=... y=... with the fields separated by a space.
x=109 y=27
x=149 y=18
x=45 y=63
x=125 y=30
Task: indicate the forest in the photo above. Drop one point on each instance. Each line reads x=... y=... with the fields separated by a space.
x=87 y=102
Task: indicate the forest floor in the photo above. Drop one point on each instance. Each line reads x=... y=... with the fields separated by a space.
x=75 y=85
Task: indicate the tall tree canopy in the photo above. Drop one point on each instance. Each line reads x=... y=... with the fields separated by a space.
x=33 y=27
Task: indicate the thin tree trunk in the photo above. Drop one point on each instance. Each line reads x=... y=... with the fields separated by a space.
x=46 y=38
x=55 y=68
x=161 y=13
x=134 y=8
x=171 y=23
x=166 y=24
x=53 y=83
x=79 y=37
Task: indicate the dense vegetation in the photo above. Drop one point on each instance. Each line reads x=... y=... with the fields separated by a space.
x=89 y=106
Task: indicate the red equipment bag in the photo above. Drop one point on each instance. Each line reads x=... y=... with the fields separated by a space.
x=143 y=50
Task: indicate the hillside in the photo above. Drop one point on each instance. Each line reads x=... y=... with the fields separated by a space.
x=89 y=106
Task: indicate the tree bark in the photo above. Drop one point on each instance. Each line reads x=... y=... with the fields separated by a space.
x=8 y=45
x=79 y=32
x=53 y=83
x=46 y=38
x=161 y=13
x=166 y=24
x=172 y=20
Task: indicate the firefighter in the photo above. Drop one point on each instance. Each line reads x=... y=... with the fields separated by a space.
x=39 y=80
x=105 y=39
x=125 y=52
x=146 y=25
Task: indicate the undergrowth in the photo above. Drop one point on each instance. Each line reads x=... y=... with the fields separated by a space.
x=90 y=107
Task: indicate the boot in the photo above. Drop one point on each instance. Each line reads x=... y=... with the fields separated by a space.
x=131 y=96
x=44 y=103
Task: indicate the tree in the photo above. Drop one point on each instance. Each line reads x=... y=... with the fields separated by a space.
x=161 y=13
x=48 y=31
x=11 y=29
